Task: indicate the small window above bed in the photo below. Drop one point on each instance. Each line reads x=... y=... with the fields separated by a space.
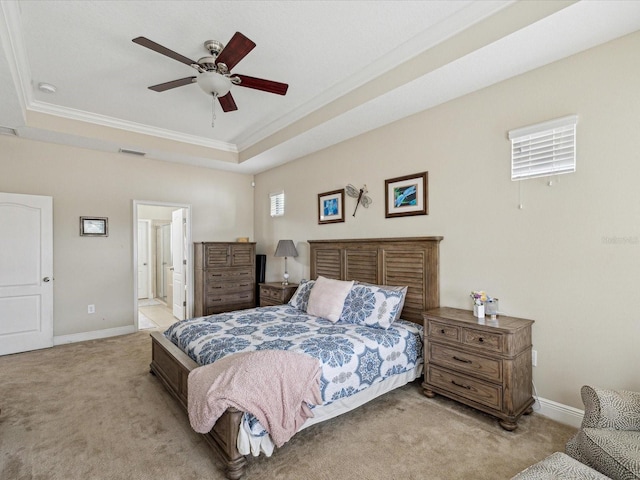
x=277 y=204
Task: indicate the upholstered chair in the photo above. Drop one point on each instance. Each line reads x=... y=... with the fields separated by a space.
x=609 y=438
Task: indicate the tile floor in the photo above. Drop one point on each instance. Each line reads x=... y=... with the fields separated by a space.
x=154 y=315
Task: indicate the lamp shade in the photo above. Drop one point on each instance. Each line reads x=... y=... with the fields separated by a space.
x=286 y=248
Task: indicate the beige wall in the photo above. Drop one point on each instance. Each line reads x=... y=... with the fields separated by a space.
x=84 y=183
x=570 y=259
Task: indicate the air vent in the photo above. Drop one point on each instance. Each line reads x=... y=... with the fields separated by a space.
x=132 y=152
x=8 y=131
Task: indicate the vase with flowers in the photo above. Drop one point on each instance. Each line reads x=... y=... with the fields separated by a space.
x=483 y=303
x=478 y=297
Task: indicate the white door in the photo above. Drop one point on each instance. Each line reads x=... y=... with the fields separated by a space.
x=26 y=272
x=143 y=259
x=178 y=252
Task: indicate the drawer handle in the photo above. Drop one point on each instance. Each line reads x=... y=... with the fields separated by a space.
x=244 y=284
x=460 y=385
x=481 y=339
x=442 y=331
x=463 y=360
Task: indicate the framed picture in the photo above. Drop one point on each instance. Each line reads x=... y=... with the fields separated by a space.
x=406 y=195
x=331 y=207
x=94 y=227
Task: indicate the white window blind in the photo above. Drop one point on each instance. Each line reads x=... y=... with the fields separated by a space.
x=277 y=204
x=544 y=149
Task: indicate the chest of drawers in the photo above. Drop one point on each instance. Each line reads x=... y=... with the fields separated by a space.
x=225 y=277
x=485 y=364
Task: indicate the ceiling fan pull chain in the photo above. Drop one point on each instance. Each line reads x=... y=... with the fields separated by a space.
x=213 y=109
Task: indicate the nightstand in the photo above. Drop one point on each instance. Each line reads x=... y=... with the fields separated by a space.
x=274 y=293
x=485 y=364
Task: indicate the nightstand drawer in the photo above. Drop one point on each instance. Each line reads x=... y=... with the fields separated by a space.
x=461 y=385
x=269 y=293
x=275 y=293
x=462 y=361
x=492 y=342
x=443 y=331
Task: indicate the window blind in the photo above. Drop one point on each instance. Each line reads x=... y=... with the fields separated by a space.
x=544 y=149
x=277 y=204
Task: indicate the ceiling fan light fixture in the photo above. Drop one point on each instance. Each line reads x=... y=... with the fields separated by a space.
x=212 y=83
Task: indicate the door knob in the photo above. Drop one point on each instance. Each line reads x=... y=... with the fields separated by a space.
x=46 y=279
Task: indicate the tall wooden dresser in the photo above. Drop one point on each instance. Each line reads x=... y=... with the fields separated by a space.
x=225 y=277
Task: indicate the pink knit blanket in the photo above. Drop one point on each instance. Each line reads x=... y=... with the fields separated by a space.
x=274 y=385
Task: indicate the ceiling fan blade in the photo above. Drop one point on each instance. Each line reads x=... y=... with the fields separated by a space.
x=262 y=84
x=161 y=87
x=156 y=47
x=237 y=48
x=227 y=103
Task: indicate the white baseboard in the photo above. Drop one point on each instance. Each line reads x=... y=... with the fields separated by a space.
x=559 y=412
x=84 y=336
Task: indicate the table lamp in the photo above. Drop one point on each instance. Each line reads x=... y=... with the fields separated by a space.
x=285 y=249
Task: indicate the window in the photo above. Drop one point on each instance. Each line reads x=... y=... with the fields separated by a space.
x=277 y=204
x=544 y=149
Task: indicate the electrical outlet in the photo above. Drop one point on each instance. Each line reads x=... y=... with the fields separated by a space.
x=534 y=358
x=91 y=309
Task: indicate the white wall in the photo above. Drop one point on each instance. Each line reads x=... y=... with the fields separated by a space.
x=96 y=270
x=570 y=260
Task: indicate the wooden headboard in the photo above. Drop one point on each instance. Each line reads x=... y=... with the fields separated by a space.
x=413 y=262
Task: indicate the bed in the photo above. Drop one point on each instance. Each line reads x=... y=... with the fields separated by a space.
x=411 y=262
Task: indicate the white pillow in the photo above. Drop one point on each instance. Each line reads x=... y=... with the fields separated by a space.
x=327 y=298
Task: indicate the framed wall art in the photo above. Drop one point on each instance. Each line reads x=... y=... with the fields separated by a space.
x=405 y=196
x=331 y=207
x=94 y=227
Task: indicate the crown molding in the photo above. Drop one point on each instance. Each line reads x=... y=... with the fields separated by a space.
x=106 y=121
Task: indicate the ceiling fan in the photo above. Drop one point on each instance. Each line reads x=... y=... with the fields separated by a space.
x=214 y=70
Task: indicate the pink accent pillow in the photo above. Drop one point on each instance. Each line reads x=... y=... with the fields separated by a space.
x=327 y=298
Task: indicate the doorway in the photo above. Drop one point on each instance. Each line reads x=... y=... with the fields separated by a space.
x=162 y=297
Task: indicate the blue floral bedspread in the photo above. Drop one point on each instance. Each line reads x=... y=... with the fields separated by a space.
x=353 y=357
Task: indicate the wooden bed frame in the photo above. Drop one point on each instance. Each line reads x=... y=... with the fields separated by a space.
x=387 y=261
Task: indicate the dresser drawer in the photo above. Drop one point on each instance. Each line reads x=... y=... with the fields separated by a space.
x=233 y=286
x=491 y=342
x=238 y=297
x=227 y=307
x=443 y=331
x=471 y=389
x=455 y=359
x=231 y=275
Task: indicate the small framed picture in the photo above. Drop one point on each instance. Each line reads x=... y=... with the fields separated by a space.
x=406 y=195
x=331 y=207
x=94 y=227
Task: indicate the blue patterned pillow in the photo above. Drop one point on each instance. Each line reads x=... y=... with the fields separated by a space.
x=401 y=289
x=300 y=299
x=372 y=306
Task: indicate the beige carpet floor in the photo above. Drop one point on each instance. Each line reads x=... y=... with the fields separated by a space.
x=91 y=410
